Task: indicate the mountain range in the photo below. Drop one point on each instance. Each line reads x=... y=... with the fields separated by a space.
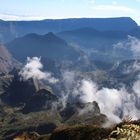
x=83 y=56
x=11 y=29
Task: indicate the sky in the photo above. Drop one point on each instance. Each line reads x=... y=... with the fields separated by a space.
x=58 y=9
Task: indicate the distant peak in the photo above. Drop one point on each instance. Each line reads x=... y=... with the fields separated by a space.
x=50 y=34
x=52 y=37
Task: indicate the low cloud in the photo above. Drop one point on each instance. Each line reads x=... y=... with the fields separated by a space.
x=33 y=69
x=132 y=44
x=87 y=90
x=136 y=88
x=115 y=103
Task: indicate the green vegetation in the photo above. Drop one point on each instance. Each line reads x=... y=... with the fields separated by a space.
x=80 y=132
x=129 y=130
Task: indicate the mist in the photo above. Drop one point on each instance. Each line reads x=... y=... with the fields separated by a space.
x=116 y=104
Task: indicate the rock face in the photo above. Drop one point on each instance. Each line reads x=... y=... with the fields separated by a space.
x=7 y=63
x=80 y=109
x=82 y=113
x=23 y=107
x=27 y=109
x=24 y=93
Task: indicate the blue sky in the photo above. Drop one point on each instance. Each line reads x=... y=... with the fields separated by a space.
x=57 y=9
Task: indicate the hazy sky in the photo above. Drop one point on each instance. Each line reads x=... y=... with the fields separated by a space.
x=40 y=9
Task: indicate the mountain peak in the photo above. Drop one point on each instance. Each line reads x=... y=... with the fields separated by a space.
x=50 y=34
x=51 y=37
x=48 y=45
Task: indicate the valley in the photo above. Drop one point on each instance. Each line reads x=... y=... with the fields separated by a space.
x=70 y=78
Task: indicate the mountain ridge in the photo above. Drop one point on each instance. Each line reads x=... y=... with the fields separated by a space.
x=12 y=29
x=48 y=45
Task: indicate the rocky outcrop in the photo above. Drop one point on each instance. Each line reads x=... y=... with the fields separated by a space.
x=7 y=62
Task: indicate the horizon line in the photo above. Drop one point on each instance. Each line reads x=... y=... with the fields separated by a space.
x=43 y=19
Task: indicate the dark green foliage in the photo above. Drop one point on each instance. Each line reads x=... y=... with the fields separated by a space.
x=80 y=132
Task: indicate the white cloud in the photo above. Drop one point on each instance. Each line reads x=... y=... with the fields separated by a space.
x=134 y=44
x=68 y=78
x=20 y=17
x=88 y=88
x=33 y=69
x=115 y=103
x=136 y=88
x=109 y=100
x=113 y=8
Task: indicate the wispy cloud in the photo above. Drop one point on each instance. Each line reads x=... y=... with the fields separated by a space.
x=113 y=8
x=21 y=17
x=114 y=2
